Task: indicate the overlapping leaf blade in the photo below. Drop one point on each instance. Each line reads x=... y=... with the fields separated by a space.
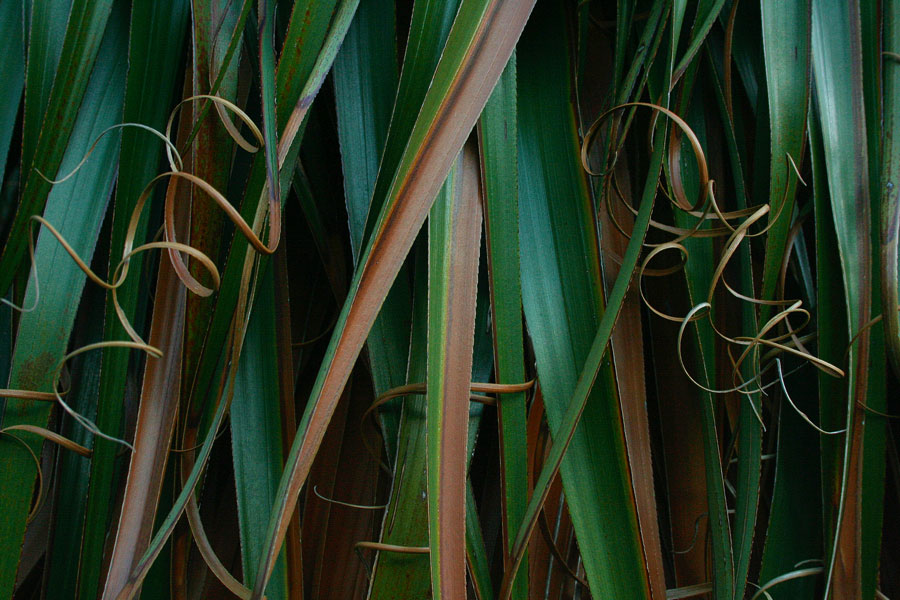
x=563 y=307
x=460 y=88
x=76 y=207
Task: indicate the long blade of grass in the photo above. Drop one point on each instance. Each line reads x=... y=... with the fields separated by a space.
x=160 y=396
x=286 y=391
x=306 y=33
x=84 y=32
x=241 y=290
x=837 y=64
x=832 y=327
x=130 y=585
x=44 y=28
x=266 y=24
x=699 y=271
x=454 y=233
x=429 y=27
x=563 y=306
x=73 y=471
x=76 y=207
x=150 y=83
x=215 y=26
x=211 y=160
x=874 y=444
x=698 y=278
x=12 y=71
x=627 y=350
x=478 y=47
x=406 y=518
x=497 y=136
x=786 y=34
x=890 y=201
x=565 y=429
x=794 y=531
x=256 y=435
x=707 y=13
x=365 y=83
x=476 y=555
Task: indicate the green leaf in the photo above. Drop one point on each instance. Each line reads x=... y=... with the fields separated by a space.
x=890 y=178
x=12 y=72
x=45 y=29
x=497 y=136
x=406 y=518
x=786 y=31
x=305 y=36
x=794 y=531
x=365 y=84
x=476 y=556
x=84 y=31
x=211 y=152
x=707 y=12
x=151 y=80
x=73 y=471
x=462 y=82
x=832 y=326
x=76 y=208
x=874 y=443
x=838 y=69
x=564 y=309
x=429 y=29
x=266 y=23
x=454 y=228
x=256 y=435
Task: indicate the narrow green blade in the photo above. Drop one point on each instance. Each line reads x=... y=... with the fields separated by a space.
x=256 y=435
x=365 y=84
x=462 y=83
x=497 y=135
x=12 y=72
x=561 y=294
x=454 y=228
x=365 y=81
x=151 y=80
x=838 y=70
x=76 y=208
x=84 y=32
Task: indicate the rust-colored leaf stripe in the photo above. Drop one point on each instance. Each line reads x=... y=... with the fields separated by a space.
x=628 y=362
x=293 y=554
x=479 y=46
x=836 y=47
x=156 y=420
x=454 y=235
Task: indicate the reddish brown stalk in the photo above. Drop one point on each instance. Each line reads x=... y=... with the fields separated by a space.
x=294 y=553
x=457 y=323
x=412 y=199
x=356 y=483
x=156 y=418
x=628 y=362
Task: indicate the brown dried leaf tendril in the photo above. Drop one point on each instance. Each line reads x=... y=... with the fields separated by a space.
x=175 y=249
x=777 y=334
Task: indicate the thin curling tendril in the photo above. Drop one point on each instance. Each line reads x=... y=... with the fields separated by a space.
x=120 y=273
x=734 y=224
